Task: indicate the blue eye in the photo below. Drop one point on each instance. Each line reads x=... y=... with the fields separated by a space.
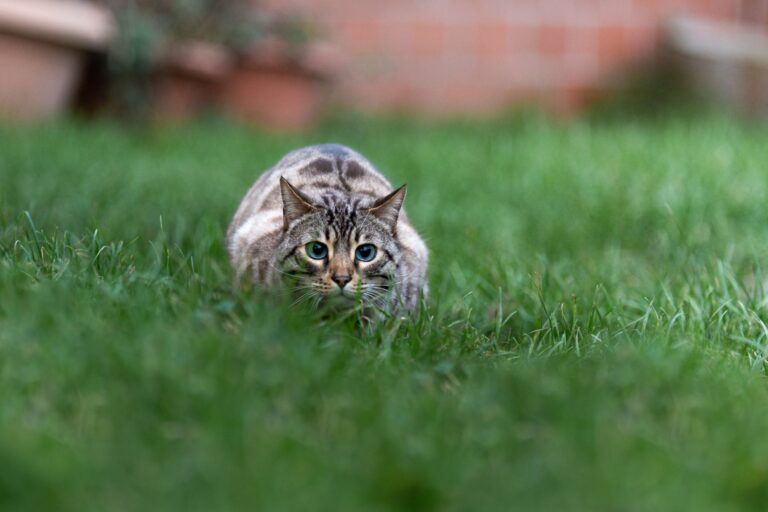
x=317 y=250
x=365 y=252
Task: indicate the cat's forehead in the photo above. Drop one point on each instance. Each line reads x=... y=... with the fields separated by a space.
x=344 y=209
x=341 y=203
x=348 y=220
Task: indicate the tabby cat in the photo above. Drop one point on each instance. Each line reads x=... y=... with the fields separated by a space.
x=327 y=226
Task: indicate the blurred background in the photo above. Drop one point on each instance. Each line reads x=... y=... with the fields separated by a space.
x=283 y=64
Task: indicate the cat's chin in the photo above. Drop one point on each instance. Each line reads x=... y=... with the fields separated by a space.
x=340 y=300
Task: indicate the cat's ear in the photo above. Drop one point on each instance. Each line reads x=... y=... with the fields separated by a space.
x=295 y=204
x=387 y=208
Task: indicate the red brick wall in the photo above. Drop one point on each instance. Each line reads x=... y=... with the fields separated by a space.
x=448 y=56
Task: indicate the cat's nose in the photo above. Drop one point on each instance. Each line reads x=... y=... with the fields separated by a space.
x=341 y=280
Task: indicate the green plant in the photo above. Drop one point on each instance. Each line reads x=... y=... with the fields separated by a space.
x=132 y=60
x=148 y=29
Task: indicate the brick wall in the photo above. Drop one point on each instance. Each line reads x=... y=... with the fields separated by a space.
x=449 y=56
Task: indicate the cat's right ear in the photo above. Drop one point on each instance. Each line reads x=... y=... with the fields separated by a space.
x=295 y=204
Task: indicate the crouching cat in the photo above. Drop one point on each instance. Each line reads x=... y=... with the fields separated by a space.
x=324 y=224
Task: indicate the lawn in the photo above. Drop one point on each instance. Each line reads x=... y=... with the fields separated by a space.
x=596 y=338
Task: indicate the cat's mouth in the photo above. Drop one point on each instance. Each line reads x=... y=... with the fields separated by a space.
x=342 y=297
x=343 y=293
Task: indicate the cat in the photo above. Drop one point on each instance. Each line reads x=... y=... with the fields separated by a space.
x=324 y=224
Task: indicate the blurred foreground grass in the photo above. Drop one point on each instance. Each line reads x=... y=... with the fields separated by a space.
x=596 y=338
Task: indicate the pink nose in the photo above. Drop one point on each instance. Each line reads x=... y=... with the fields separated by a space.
x=341 y=280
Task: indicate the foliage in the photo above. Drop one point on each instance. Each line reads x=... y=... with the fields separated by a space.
x=148 y=29
x=596 y=338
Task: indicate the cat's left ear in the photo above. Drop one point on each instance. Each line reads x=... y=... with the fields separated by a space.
x=387 y=209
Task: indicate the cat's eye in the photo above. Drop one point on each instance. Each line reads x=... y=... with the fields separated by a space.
x=317 y=250
x=365 y=252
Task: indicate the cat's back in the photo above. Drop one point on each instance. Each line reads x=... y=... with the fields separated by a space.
x=329 y=166
x=314 y=170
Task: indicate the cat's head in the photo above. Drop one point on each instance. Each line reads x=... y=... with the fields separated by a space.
x=338 y=250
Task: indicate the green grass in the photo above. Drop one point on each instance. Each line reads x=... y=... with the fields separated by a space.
x=596 y=338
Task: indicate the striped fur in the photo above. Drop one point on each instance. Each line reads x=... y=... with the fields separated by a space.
x=332 y=195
